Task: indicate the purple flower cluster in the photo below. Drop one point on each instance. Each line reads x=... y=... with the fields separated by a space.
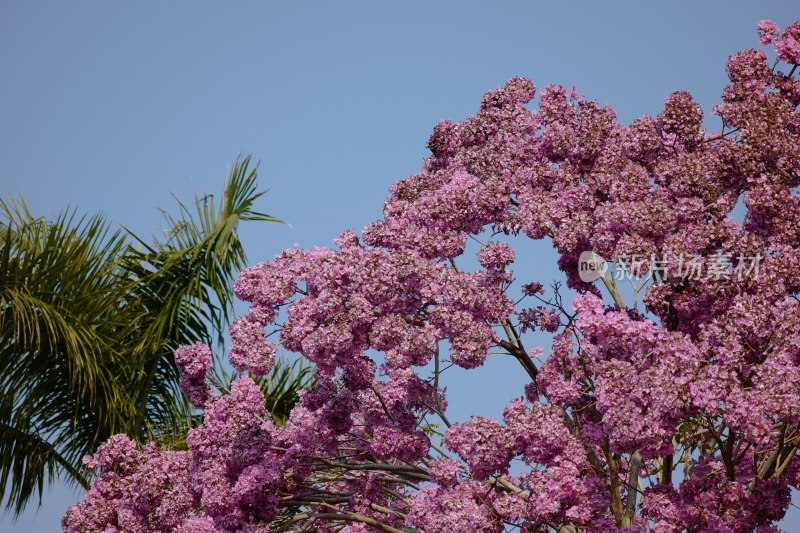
x=194 y=361
x=682 y=415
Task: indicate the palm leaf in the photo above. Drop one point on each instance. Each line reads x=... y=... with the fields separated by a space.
x=185 y=283
x=89 y=322
x=27 y=461
x=62 y=304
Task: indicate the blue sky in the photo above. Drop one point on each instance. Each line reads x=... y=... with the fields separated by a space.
x=112 y=106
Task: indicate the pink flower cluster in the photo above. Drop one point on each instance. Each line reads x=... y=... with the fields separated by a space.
x=193 y=362
x=682 y=415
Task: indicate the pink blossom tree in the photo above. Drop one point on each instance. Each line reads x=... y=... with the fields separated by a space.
x=681 y=416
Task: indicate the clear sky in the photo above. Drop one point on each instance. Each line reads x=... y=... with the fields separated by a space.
x=112 y=106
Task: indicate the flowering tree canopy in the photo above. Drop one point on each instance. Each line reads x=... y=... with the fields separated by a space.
x=684 y=415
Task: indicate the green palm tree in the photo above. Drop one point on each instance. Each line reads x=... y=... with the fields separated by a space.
x=89 y=319
x=61 y=307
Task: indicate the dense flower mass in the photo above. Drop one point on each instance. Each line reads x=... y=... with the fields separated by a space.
x=680 y=415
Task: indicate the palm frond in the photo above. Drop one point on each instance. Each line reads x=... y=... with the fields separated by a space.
x=185 y=281
x=27 y=461
x=62 y=305
x=89 y=321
